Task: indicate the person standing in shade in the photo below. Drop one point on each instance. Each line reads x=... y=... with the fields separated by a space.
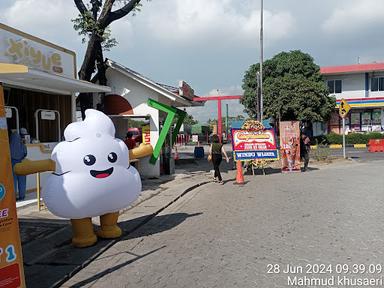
x=129 y=141
x=304 y=150
x=216 y=150
x=18 y=153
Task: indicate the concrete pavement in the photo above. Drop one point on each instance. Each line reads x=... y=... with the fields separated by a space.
x=226 y=236
x=49 y=258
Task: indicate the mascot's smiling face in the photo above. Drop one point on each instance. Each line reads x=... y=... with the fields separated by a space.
x=91 y=149
x=93 y=176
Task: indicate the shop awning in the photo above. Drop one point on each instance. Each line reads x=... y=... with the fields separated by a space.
x=23 y=76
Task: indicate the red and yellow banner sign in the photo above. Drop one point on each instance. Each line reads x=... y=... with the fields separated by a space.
x=251 y=145
x=290 y=146
x=11 y=260
x=146 y=134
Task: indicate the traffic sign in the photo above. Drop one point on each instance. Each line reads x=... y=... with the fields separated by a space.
x=344 y=108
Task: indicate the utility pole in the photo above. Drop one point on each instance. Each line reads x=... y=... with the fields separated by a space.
x=261 y=60
x=257 y=102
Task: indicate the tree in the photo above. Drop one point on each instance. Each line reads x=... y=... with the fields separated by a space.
x=188 y=120
x=239 y=118
x=293 y=89
x=93 y=24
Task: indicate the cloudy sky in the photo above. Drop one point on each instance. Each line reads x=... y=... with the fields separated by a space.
x=210 y=43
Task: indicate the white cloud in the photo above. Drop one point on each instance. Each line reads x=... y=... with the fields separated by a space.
x=355 y=16
x=232 y=90
x=122 y=31
x=46 y=19
x=214 y=22
x=51 y=20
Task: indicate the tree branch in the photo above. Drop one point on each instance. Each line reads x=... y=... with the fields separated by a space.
x=104 y=15
x=80 y=6
x=115 y=15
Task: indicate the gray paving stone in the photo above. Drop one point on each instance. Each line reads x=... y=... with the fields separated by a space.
x=224 y=236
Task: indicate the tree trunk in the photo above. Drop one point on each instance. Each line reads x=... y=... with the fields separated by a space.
x=94 y=54
x=88 y=67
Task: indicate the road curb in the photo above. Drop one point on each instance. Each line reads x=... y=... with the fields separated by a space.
x=126 y=233
x=360 y=146
x=339 y=146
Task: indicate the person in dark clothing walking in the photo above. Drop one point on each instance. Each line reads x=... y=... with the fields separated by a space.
x=216 y=150
x=304 y=150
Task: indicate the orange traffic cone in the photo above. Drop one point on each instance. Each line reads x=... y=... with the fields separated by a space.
x=239 y=174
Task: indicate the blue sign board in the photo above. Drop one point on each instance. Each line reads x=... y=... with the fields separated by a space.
x=251 y=155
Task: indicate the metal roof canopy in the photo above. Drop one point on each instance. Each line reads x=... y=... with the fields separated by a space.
x=133 y=116
x=178 y=100
x=23 y=76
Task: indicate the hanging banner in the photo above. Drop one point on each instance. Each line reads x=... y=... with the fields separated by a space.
x=252 y=145
x=11 y=261
x=290 y=146
x=146 y=134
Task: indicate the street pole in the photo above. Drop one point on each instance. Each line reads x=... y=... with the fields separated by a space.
x=257 y=108
x=344 y=154
x=261 y=60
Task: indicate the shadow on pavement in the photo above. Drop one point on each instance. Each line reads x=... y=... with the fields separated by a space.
x=267 y=171
x=156 y=225
x=50 y=253
x=203 y=165
x=115 y=268
x=312 y=169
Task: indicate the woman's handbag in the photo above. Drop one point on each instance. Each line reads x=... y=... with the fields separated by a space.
x=209 y=157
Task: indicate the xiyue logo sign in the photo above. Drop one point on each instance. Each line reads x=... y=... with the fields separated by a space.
x=23 y=52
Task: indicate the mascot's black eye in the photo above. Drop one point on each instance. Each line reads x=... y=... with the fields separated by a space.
x=89 y=160
x=112 y=157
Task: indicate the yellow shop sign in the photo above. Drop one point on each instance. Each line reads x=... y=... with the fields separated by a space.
x=24 y=53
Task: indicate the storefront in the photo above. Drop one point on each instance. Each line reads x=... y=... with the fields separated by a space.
x=365 y=116
x=131 y=98
x=362 y=86
x=41 y=96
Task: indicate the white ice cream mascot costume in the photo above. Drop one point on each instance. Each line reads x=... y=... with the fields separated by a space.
x=92 y=177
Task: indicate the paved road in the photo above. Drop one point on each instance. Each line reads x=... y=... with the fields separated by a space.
x=225 y=236
x=358 y=154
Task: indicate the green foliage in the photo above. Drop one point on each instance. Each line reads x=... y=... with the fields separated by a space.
x=86 y=25
x=333 y=138
x=188 y=120
x=322 y=153
x=293 y=89
x=351 y=138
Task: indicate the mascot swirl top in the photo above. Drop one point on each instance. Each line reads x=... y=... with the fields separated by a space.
x=92 y=175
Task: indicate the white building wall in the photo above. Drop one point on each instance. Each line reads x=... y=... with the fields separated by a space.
x=375 y=93
x=353 y=85
x=137 y=95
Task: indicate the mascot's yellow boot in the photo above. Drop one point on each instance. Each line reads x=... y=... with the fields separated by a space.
x=108 y=226
x=83 y=234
